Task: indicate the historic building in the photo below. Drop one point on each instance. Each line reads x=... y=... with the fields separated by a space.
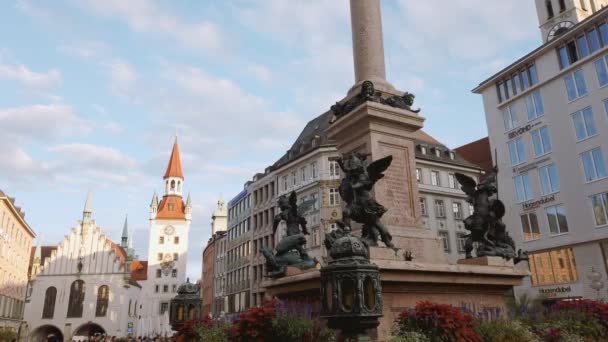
x=168 y=244
x=15 y=243
x=82 y=286
x=310 y=169
x=547 y=121
x=219 y=222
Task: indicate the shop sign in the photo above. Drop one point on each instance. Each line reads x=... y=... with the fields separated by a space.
x=522 y=130
x=536 y=204
x=555 y=291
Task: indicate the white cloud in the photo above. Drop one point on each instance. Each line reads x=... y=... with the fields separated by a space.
x=146 y=17
x=86 y=49
x=102 y=157
x=260 y=72
x=40 y=122
x=28 y=78
x=123 y=78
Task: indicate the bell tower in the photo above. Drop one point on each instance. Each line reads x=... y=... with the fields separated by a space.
x=557 y=16
x=169 y=232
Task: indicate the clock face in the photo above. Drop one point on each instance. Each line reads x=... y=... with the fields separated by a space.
x=169 y=230
x=559 y=28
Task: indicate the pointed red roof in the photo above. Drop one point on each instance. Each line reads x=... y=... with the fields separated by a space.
x=174 y=169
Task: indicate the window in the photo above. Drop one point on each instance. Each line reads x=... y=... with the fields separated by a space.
x=284 y=181
x=601 y=70
x=103 y=295
x=156 y=288
x=174 y=273
x=423 y=149
x=549 y=6
x=603 y=28
x=583 y=47
x=48 y=311
x=76 y=301
x=333 y=197
x=419 y=175
x=541 y=141
x=535 y=106
x=556 y=215
x=439 y=208
x=594 y=42
x=549 y=181
x=334 y=169
x=457 y=210
x=461 y=242
x=176 y=240
x=509 y=118
x=423 y=210
x=175 y=256
x=294 y=178
x=593 y=164
x=562 y=5
x=165 y=288
x=529 y=226
x=471 y=209
x=583 y=4
x=599 y=203
x=452 y=181
x=161 y=240
x=303 y=174
x=575 y=85
x=553 y=267
x=435 y=178
x=523 y=189
x=174 y=288
x=314 y=171
x=158 y=273
x=584 y=125
x=437 y=152
x=159 y=257
x=445 y=238
x=516 y=151
x=533 y=75
x=164 y=306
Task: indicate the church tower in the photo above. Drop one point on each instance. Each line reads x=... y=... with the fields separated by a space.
x=219 y=219
x=558 y=16
x=169 y=229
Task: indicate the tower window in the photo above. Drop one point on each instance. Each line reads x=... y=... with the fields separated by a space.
x=562 y=5
x=174 y=273
x=161 y=240
x=158 y=274
x=176 y=240
x=172 y=185
x=549 y=9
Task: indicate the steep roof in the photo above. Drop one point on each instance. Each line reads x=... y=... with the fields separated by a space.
x=478 y=152
x=432 y=144
x=139 y=270
x=171 y=207
x=174 y=168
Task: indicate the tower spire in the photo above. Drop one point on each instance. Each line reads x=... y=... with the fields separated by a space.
x=87 y=211
x=174 y=168
x=124 y=240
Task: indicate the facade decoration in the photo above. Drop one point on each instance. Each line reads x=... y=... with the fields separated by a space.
x=355 y=190
x=290 y=250
x=485 y=224
x=369 y=93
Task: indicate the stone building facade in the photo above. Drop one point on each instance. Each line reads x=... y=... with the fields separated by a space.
x=15 y=243
x=310 y=169
x=547 y=121
x=219 y=221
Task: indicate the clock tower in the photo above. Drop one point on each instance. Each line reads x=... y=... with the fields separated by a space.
x=169 y=228
x=558 y=16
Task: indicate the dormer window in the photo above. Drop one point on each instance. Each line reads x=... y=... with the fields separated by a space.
x=438 y=152
x=423 y=149
x=314 y=142
x=452 y=155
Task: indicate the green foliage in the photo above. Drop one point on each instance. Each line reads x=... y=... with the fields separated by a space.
x=525 y=308
x=299 y=329
x=7 y=334
x=216 y=332
x=409 y=336
x=504 y=331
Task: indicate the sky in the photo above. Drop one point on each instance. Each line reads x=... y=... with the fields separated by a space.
x=93 y=92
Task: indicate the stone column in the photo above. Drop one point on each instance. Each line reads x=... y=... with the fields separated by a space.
x=368 y=48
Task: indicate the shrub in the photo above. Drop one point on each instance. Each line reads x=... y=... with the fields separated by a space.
x=564 y=321
x=255 y=324
x=7 y=334
x=504 y=331
x=209 y=330
x=410 y=336
x=288 y=328
x=439 y=322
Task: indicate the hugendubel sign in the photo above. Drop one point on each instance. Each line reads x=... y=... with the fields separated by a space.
x=554 y=291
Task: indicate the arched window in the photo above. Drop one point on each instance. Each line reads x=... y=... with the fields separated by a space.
x=103 y=295
x=549 y=9
x=179 y=186
x=562 y=5
x=180 y=312
x=49 y=302
x=172 y=185
x=129 y=307
x=166 y=186
x=135 y=313
x=76 y=299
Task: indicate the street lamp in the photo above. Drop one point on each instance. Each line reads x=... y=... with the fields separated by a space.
x=596 y=281
x=351 y=293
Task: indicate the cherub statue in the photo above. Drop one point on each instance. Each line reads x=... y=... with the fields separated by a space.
x=355 y=190
x=485 y=224
x=290 y=250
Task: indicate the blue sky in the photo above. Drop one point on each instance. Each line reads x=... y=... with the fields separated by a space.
x=92 y=93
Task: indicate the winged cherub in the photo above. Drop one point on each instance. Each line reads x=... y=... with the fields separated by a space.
x=355 y=189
